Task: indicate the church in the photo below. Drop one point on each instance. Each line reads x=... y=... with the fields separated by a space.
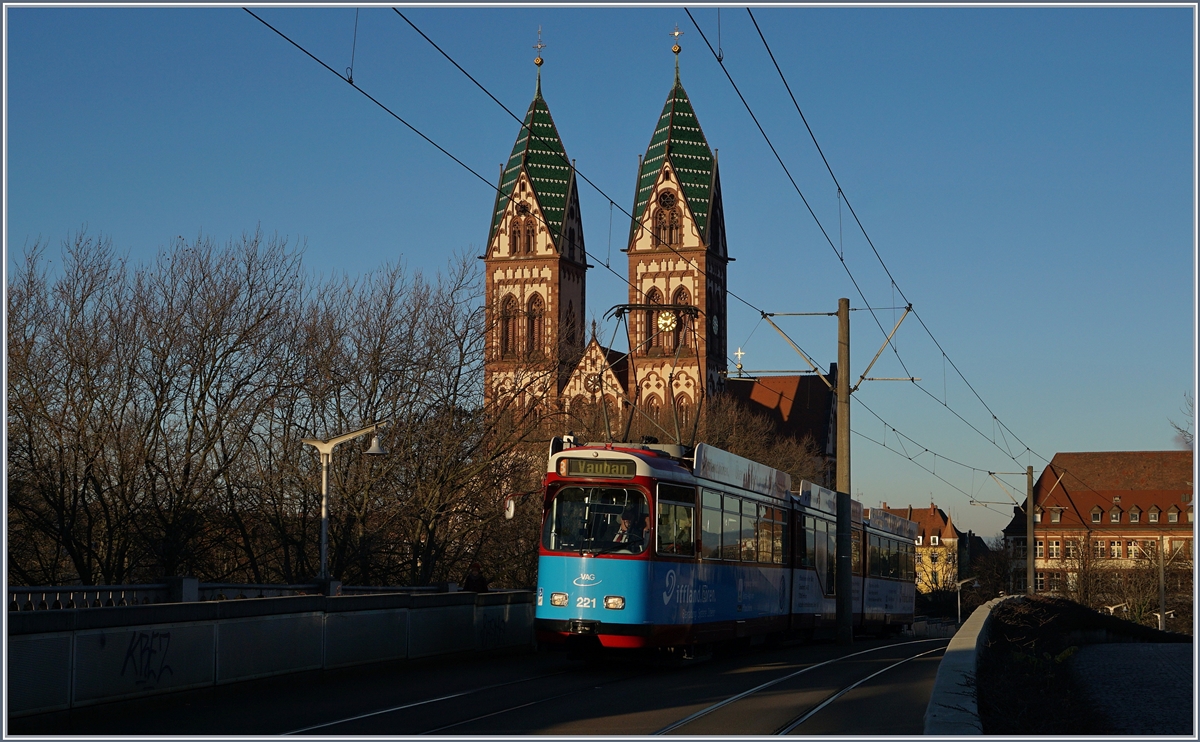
x=536 y=281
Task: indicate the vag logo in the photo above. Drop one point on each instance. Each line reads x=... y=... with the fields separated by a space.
x=586 y=580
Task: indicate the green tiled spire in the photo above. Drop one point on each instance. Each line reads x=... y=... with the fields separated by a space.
x=541 y=156
x=679 y=140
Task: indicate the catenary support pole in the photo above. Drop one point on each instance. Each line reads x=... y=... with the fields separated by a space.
x=1162 y=587
x=845 y=605
x=1029 y=542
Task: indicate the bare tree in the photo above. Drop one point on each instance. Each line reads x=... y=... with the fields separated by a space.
x=1186 y=433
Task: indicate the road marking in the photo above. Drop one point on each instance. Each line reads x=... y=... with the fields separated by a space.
x=740 y=696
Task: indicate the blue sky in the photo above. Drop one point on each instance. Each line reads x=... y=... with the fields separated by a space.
x=1026 y=174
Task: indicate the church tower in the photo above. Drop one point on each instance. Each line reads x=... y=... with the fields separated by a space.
x=535 y=264
x=677 y=256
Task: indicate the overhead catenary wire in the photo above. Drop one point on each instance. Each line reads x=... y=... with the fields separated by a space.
x=1007 y=450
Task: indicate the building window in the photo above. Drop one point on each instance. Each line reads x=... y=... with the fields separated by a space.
x=920 y=557
x=933 y=558
x=1039 y=581
x=530 y=231
x=1069 y=552
x=1041 y=550
x=918 y=540
x=1096 y=515
x=1055 y=515
x=1153 y=515
x=1054 y=550
x=1135 y=516
x=1131 y=549
x=1172 y=515
x=508 y=327
x=1114 y=516
x=933 y=540
x=1114 y=549
x=654 y=338
x=1019 y=548
x=1037 y=515
x=1098 y=549
x=1054 y=581
x=536 y=327
x=683 y=328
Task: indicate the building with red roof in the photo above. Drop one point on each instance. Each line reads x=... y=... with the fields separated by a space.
x=1104 y=510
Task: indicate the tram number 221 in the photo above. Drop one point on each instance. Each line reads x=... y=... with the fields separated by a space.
x=582 y=602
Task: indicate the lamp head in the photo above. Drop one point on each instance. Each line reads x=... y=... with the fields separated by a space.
x=376 y=449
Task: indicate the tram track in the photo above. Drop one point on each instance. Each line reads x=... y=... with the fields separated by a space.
x=797 y=720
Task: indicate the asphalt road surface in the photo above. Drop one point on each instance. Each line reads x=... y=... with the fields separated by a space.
x=874 y=687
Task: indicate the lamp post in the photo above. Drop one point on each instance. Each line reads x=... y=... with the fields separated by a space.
x=958 y=594
x=325 y=448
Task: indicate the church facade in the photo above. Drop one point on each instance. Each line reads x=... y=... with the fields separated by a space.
x=677 y=257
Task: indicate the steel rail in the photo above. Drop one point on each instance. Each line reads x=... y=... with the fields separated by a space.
x=733 y=699
x=787 y=728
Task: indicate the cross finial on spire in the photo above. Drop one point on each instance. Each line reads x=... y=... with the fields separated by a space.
x=539 y=46
x=676 y=48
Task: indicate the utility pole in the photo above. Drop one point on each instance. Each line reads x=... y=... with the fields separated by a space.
x=1029 y=542
x=845 y=585
x=1162 y=587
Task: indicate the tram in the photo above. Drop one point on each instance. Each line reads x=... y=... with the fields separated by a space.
x=649 y=545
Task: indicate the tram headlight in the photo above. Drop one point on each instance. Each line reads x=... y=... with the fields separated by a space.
x=558 y=599
x=614 y=602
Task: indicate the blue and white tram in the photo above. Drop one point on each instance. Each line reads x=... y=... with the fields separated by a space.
x=646 y=546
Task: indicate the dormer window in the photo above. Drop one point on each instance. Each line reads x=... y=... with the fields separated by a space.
x=1173 y=515
x=1096 y=514
x=1037 y=515
x=1153 y=513
x=1114 y=515
x=1055 y=516
x=918 y=540
x=933 y=540
x=1135 y=515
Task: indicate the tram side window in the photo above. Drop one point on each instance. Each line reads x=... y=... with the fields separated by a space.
x=731 y=527
x=810 y=545
x=779 y=539
x=893 y=558
x=912 y=566
x=873 y=555
x=749 y=539
x=675 y=529
x=856 y=552
x=676 y=508
x=710 y=534
x=830 y=556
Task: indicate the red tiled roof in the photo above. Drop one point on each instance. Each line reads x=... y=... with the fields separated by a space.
x=797 y=405
x=1081 y=482
x=931 y=521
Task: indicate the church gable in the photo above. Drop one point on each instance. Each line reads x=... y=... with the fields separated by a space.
x=668 y=221
x=599 y=370
x=523 y=227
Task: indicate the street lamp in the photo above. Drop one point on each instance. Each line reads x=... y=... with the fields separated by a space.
x=958 y=594
x=325 y=448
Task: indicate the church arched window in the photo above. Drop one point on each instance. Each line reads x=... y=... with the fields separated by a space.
x=660 y=227
x=569 y=322
x=514 y=237
x=681 y=336
x=674 y=228
x=530 y=231
x=653 y=408
x=683 y=407
x=508 y=327
x=654 y=338
x=536 y=326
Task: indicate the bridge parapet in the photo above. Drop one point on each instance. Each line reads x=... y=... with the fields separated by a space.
x=71 y=657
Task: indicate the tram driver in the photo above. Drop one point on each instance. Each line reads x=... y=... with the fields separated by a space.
x=634 y=527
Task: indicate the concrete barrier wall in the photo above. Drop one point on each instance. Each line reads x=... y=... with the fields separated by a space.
x=953 y=709
x=65 y=658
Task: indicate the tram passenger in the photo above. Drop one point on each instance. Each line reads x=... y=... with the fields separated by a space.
x=633 y=530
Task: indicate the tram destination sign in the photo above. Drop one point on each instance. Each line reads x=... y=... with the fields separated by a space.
x=596 y=467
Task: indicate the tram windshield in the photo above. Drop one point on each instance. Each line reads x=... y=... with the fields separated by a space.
x=600 y=520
